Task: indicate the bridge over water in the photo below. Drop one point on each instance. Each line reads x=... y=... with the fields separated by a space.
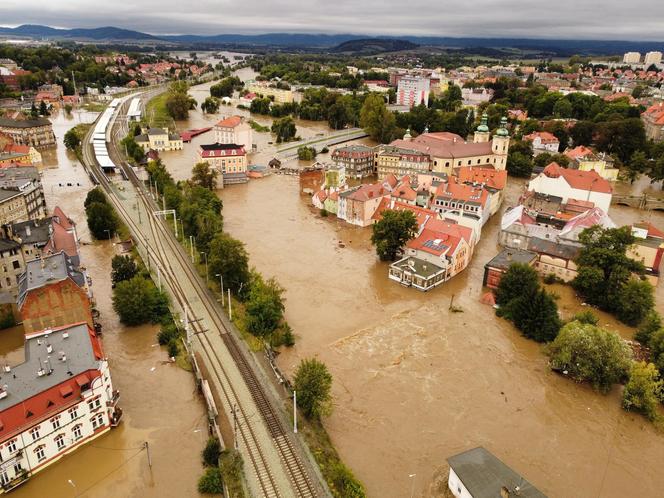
x=647 y=202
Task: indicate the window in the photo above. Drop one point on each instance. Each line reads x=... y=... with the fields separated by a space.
x=97 y=421
x=56 y=423
x=4 y=479
x=60 y=441
x=77 y=432
x=34 y=432
x=94 y=404
x=73 y=412
x=40 y=453
x=16 y=265
x=17 y=468
x=11 y=446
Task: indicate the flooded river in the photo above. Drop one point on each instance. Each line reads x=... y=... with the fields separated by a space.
x=415 y=383
x=159 y=400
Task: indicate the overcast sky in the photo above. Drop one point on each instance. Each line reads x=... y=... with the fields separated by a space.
x=575 y=19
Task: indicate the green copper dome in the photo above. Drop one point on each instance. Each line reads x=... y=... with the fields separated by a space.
x=483 y=127
x=502 y=131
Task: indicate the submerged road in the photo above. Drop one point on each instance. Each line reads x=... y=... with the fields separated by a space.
x=276 y=463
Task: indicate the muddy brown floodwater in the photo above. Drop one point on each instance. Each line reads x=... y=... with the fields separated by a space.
x=159 y=400
x=415 y=383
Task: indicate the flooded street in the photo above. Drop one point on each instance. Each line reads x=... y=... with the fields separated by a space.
x=415 y=383
x=159 y=400
x=433 y=383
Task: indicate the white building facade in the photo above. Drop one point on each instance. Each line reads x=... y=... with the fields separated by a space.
x=60 y=398
x=413 y=91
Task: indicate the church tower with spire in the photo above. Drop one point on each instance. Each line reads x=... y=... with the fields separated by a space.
x=482 y=133
x=500 y=144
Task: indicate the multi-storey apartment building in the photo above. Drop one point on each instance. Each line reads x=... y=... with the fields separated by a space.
x=357 y=160
x=37 y=132
x=413 y=91
x=59 y=398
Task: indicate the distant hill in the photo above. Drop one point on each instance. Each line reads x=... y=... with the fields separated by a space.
x=375 y=45
x=339 y=42
x=105 y=33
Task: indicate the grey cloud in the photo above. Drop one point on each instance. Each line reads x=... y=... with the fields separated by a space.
x=578 y=19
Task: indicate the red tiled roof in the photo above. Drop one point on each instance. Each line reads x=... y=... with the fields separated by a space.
x=656 y=113
x=61 y=240
x=17 y=149
x=545 y=137
x=451 y=227
x=230 y=122
x=489 y=176
x=653 y=231
x=581 y=180
x=580 y=151
x=62 y=218
x=367 y=192
x=404 y=191
x=444 y=147
x=462 y=192
x=433 y=242
x=391 y=180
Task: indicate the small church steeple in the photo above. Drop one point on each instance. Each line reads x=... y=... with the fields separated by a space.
x=482 y=134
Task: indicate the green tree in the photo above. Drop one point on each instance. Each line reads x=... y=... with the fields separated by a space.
x=313 y=383
x=392 y=232
x=211 y=482
x=519 y=165
x=71 y=140
x=210 y=105
x=43 y=109
x=134 y=151
x=562 y=109
x=122 y=268
x=284 y=128
x=264 y=307
x=643 y=391
x=638 y=164
x=260 y=106
x=138 y=301
x=95 y=195
x=604 y=270
x=589 y=353
x=536 y=315
x=211 y=452
x=226 y=87
x=305 y=153
x=519 y=280
x=228 y=258
x=204 y=176
x=345 y=484
x=635 y=300
x=586 y=316
x=648 y=326
x=178 y=105
x=582 y=133
x=102 y=220
x=376 y=120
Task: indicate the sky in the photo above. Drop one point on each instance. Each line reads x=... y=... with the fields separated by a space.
x=563 y=19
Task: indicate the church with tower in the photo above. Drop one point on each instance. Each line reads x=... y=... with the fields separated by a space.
x=445 y=151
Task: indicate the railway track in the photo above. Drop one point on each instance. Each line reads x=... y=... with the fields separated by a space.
x=296 y=471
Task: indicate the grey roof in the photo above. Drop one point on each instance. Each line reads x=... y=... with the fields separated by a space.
x=174 y=136
x=8 y=194
x=483 y=475
x=23 y=382
x=141 y=138
x=24 y=123
x=40 y=231
x=564 y=251
x=7 y=244
x=46 y=270
x=418 y=267
x=21 y=172
x=507 y=257
x=157 y=131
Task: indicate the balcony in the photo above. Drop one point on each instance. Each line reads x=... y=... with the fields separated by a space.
x=114 y=399
x=115 y=417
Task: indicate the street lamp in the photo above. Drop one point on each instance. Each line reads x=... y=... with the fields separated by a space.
x=73 y=485
x=206 y=268
x=412 y=485
x=221 y=285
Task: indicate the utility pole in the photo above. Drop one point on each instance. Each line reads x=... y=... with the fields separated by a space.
x=207 y=280
x=159 y=276
x=191 y=247
x=147 y=448
x=295 y=412
x=235 y=426
x=229 y=304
